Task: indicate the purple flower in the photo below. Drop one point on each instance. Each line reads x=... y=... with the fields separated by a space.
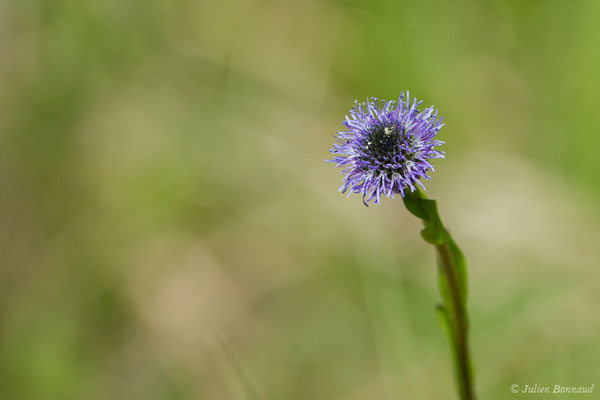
x=387 y=147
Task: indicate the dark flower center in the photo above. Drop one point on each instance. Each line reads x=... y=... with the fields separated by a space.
x=388 y=149
x=383 y=142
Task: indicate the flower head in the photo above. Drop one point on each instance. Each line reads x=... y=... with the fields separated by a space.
x=387 y=147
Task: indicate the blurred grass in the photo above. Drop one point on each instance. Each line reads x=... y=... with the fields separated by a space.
x=170 y=230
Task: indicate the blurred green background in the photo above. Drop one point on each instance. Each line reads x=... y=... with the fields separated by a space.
x=170 y=230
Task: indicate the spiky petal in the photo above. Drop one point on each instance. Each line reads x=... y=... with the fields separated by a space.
x=387 y=147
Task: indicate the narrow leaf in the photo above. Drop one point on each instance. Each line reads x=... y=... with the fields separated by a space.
x=444 y=320
x=412 y=202
x=461 y=268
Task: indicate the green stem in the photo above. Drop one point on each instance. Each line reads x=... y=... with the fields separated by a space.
x=453 y=286
x=460 y=325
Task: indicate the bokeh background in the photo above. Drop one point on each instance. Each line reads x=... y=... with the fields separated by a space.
x=169 y=229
